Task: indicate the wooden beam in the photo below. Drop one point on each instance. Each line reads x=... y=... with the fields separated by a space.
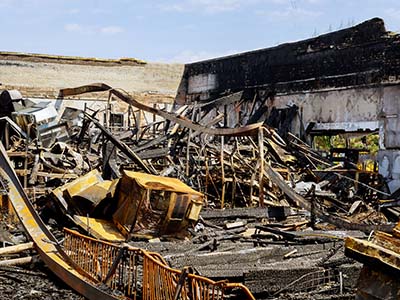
x=16 y=261
x=16 y=248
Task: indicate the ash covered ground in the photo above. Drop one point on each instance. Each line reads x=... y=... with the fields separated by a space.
x=33 y=282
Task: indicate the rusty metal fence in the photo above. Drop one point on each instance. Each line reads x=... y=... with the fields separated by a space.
x=139 y=274
x=315 y=280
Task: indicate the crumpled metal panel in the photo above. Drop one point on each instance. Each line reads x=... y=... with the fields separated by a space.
x=178 y=203
x=101 y=229
x=154 y=182
x=77 y=186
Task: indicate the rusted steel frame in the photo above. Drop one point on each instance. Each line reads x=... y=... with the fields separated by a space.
x=153 y=267
x=45 y=243
x=114 y=265
x=157 y=256
x=156 y=273
x=110 y=255
x=244 y=288
x=303 y=203
x=196 y=278
x=100 y=87
x=81 y=285
x=181 y=282
x=90 y=88
x=246 y=130
x=81 y=270
x=121 y=146
x=78 y=249
x=76 y=234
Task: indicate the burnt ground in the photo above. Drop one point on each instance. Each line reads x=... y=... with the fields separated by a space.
x=260 y=268
x=33 y=282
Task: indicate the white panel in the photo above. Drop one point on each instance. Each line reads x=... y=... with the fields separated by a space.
x=391 y=111
x=202 y=83
x=384 y=166
x=396 y=168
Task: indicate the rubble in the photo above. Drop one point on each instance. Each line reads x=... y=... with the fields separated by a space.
x=275 y=211
x=22 y=283
x=120 y=197
x=136 y=204
x=379 y=254
x=31 y=279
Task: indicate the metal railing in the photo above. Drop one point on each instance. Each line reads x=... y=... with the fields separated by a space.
x=313 y=281
x=139 y=274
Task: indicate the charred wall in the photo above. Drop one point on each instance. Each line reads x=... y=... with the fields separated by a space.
x=348 y=80
x=361 y=55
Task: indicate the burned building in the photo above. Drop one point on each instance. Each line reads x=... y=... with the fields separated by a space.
x=341 y=82
x=233 y=131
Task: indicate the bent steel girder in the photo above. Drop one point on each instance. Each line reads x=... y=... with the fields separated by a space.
x=45 y=243
x=251 y=129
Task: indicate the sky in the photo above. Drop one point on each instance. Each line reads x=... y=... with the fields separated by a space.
x=177 y=30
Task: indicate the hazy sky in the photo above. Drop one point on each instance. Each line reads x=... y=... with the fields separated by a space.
x=176 y=30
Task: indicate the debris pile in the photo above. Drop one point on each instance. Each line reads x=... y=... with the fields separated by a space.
x=273 y=205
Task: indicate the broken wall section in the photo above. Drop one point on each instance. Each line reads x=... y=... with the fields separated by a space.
x=341 y=82
x=363 y=54
x=339 y=77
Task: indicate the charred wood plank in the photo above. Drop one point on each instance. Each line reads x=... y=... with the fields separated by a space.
x=121 y=146
x=242 y=213
x=303 y=203
x=153 y=153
